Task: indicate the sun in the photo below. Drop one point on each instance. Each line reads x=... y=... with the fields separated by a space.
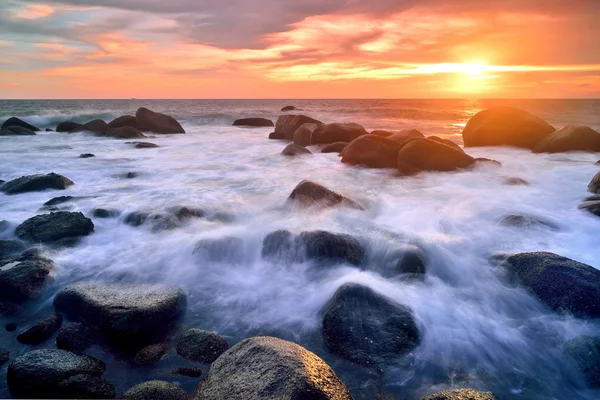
x=475 y=68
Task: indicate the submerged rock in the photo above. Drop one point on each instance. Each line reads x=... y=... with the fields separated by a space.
x=41 y=331
x=591 y=206
x=105 y=213
x=36 y=183
x=303 y=135
x=124 y=120
x=228 y=248
x=585 y=352
x=55 y=228
x=23 y=278
x=201 y=346
x=150 y=121
x=570 y=138
x=87 y=155
x=287 y=125
x=428 y=155
x=308 y=193
x=527 y=221
x=269 y=368
x=515 y=182
x=594 y=185
x=145 y=145
x=403 y=259
x=337 y=132
x=280 y=245
x=367 y=328
x=336 y=147
x=16 y=131
x=10 y=247
x=505 y=126
x=60 y=200
x=84 y=386
x=461 y=394
x=192 y=372
x=154 y=390
x=253 y=122
x=294 y=150
x=68 y=126
x=75 y=337
x=372 y=151
x=13 y=121
x=150 y=354
x=288 y=108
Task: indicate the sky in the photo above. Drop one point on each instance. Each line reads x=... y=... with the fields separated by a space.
x=300 y=49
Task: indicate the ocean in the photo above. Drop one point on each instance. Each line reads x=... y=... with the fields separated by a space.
x=478 y=329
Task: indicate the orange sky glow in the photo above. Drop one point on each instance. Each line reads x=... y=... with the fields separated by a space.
x=300 y=49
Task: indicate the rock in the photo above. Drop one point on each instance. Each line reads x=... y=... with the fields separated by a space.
x=226 y=249
x=96 y=126
x=37 y=373
x=68 y=126
x=120 y=310
x=85 y=386
x=406 y=136
x=10 y=247
x=381 y=132
x=515 y=182
x=287 y=125
x=288 y=108
x=60 y=200
x=461 y=394
x=145 y=145
x=8 y=308
x=406 y=259
x=505 y=126
x=10 y=327
x=336 y=132
x=13 y=121
x=86 y=155
x=428 y=155
x=49 y=130
x=23 y=278
x=124 y=120
x=16 y=131
x=192 y=372
x=150 y=121
x=4 y=356
x=280 y=245
x=253 y=122
x=308 y=193
x=332 y=247
x=269 y=368
x=36 y=183
x=367 y=328
x=41 y=331
x=595 y=197
x=136 y=218
x=372 y=151
x=302 y=136
x=591 y=206
x=124 y=132
x=594 y=185
x=597 y=162
x=294 y=150
x=131 y=175
x=447 y=142
x=527 y=221
x=276 y=136
x=153 y=390
x=183 y=213
x=488 y=160
x=55 y=227
x=150 y=354
x=75 y=337
x=336 y=147
x=201 y=346
x=585 y=352
x=563 y=284
x=105 y=213
x=3 y=223
x=570 y=138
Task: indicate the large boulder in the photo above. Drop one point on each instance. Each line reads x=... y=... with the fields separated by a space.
x=329 y=246
x=60 y=228
x=428 y=155
x=16 y=131
x=150 y=121
x=367 y=328
x=97 y=126
x=120 y=310
x=253 y=122
x=372 y=151
x=75 y=337
x=561 y=283
x=336 y=147
x=461 y=394
x=68 y=126
x=154 y=390
x=13 y=121
x=201 y=346
x=124 y=120
x=38 y=373
x=23 y=278
x=569 y=138
x=447 y=142
x=286 y=125
x=36 y=183
x=269 y=368
x=124 y=132
x=302 y=136
x=337 y=132
x=585 y=352
x=505 y=126
x=406 y=136
x=308 y=193
x=594 y=185
x=294 y=150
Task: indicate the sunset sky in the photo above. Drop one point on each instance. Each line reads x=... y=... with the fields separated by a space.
x=299 y=48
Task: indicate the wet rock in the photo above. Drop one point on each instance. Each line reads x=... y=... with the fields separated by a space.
x=124 y=120
x=13 y=121
x=87 y=155
x=10 y=247
x=60 y=200
x=41 y=331
x=336 y=147
x=570 y=138
x=461 y=394
x=85 y=386
x=337 y=132
x=142 y=312
x=226 y=249
x=381 y=132
x=49 y=130
x=150 y=121
x=55 y=227
x=23 y=278
x=153 y=390
x=253 y=122
x=447 y=142
x=150 y=354
x=131 y=175
x=302 y=136
x=372 y=151
x=288 y=108
x=96 y=126
x=585 y=352
x=594 y=185
x=294 y=150
x=488 y=160
x=308 y=193
x=136 y=218
x=561 y=283
x=8 y=308
x=36 y=183
x=37 y=373
x=10 y=327
x=105 y=213
x=409 y=259
x=280 y=245
x=406 y=136
x=270 y=368
x=515 y=182
x=591 y=206
x=505 y=126
x=287 y=125
x=595 y=197
x=428 y=155
x=16 y=131
x=68 y=126
x=3 y=223
x=332 y=247
x=201 y=346
x=192 y=372
x=124 y=132
x=183 y=213
x=145 y=145
x=75 y=337
x=527 y=221
x=4 y=356
x=367 y=328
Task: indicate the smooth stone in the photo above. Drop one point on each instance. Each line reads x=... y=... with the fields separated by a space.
x=192 y=372
x=86 y=155
x=55 y=227
x=302 y=136
x=60 y=200
x=84 y=386
x=226 y=249
x=150 y=354
x=68 y=126
x=124 y=132
x=146 y=145
x=527 y=221
x=337 y=132
x=447 y=142
x=287 y=125
x=336 y=147
x=23 y=278
x=41 y=331
x=105 y=213
x=338 y=247
x=570 y=138
x=75 y=337
x=594 y=185
x=428 y=155
x=280 y=245
x=124 y=120
x=10 y=327
x=36 y=183
x=461 y=394
x=155 y=390
x=515 y=182
x=201 y=346
x=253 y=122
x=295 y=150
x=13 y=121
x=10 y=247
x=150 y=121
x=585 y=352
x=16 y=131
x=96 y=126
x=288 y=108
x=308 y=193
x=372 y=151
x=406 y=136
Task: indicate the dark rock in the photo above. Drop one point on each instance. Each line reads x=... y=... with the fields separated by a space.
x=105 y=213
x=10 y=247
x=447 y=142
x=561 y=283
x=9 y=308
x=49 y=130
x=10 y=327
x=13 y=121
x=332 y=247
x=287 y=125
x=253 y=122
x=527 y=221
x=381 y=132
x=145 y=145
x=488 y=160
x=96 y=126
x=75 y=337
x=269 y=368
x=505 y=126
x=461 y=394
x=409 y=259
x=16 y=131
x=154 y=390
x=37 y=251
x=37 y=373
x=87 y=155
x=302 y=136
x=136 y=218
x=85 y=386
x=60 y=200
x=277 y=136
x=131 y=175
x=569 y=138
x=372 y=151
x=294 y=150
x=68 y=126
x=3 y=223
x=515 y=182
x=150 y=121
x=280 y=245
x=4 y=356
x=23 y=278
x=585 y=352
x=428 y=155
x=150 y=354
x=597 y=162
x=288 y=108
x=183 y=213
x=308 y=193
x=228 y=248
x=120 y=310
x=367 y=328
x=55 y=227
x=124 y=120
x=124 y=132
x=201 y=346
x=591 y=206
x=595 y=197
x=36 y=183
x=337 y=132
x=336 y=147
x=192 y=372
x=594 y=185
x=406 y=136
x=41 y=331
